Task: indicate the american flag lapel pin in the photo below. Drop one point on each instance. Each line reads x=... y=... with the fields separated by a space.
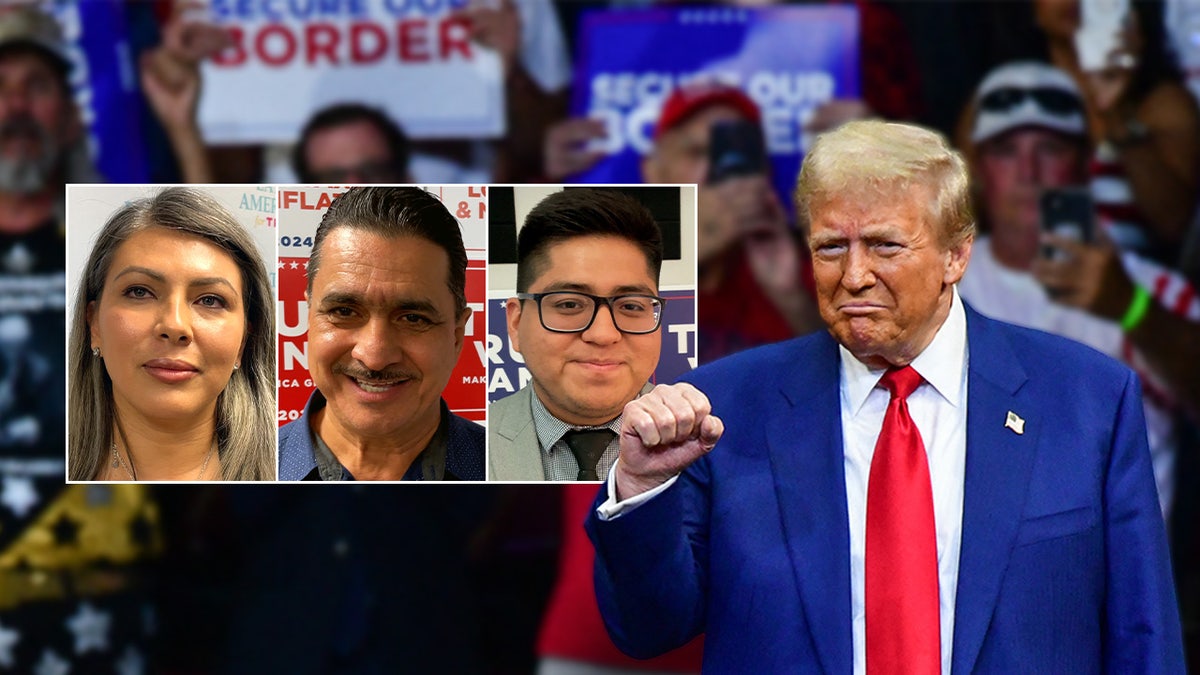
x=1014 y=422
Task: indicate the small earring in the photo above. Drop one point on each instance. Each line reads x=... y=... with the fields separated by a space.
x=95 y=351
x=237 y=365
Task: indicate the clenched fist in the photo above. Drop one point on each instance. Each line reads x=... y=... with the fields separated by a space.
x=662 y=433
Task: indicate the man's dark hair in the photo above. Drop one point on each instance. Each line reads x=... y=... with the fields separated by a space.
x=397 y=212
x=342 y=114
x=579 y=213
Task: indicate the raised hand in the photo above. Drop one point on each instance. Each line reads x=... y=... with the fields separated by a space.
x=662 y=433
x=496 y=25
x=1088 y=276
x=566 y=149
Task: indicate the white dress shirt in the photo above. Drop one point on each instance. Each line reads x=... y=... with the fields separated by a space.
x=939 y=409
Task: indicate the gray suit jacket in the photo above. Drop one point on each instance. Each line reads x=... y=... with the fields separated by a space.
x=513 y=449
x=514 y=452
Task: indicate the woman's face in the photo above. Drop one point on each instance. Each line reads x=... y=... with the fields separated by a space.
x=170 y=324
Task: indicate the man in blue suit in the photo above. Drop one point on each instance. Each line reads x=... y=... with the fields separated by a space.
x=919 y=490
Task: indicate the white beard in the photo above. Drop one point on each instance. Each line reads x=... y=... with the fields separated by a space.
x=28 y=175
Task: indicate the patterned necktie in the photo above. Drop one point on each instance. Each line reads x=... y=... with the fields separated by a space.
x=588 y=446
x=903 y=628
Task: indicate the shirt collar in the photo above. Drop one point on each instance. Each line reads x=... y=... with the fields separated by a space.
x=322 y=465
x=550 y=429
x=941 y=364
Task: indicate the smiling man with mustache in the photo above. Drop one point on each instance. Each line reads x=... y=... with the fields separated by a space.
x=586 y=319
x=387 y=316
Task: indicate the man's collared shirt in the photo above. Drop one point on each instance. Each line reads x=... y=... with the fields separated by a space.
x=558 y=462
x=454 y=453
x=939 y=409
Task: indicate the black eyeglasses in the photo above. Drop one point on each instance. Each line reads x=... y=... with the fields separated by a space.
x=574 y=312
x=1054 y=101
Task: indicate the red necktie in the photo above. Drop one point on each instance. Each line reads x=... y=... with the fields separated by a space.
x=903 y=630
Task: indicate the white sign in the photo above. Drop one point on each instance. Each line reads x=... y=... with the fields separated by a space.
x=413 y=58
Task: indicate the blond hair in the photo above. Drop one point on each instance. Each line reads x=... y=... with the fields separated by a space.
x=871 y=160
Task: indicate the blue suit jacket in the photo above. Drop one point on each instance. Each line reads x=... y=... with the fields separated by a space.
x=1064 y=565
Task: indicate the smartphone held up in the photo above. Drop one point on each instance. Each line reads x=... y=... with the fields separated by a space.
x=736 y=148
x=1067 y=212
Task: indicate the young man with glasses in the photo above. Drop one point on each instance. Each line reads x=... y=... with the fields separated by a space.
x=586 y=319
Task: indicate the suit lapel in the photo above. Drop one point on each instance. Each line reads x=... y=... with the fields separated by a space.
x=807 y=463
x=999 y=462
x=515 y=416
x=521 y=460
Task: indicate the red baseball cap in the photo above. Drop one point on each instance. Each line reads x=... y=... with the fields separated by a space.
x=688 y=100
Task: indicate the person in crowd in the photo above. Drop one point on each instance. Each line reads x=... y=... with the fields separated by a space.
x=537 y=71
x=43 y=146
x=24 y=375
x=173 y=347
x=387 y=317
x=1143 y=125
x=918 y=489
x=753 y=273
x=350 y=143
x=74 y=557
x=1126 y=306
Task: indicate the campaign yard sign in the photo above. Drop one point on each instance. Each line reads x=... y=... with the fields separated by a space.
x=288 y=58
x=788 y=60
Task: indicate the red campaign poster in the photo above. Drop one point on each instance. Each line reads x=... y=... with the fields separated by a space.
x=466 y=393
x=300 y=211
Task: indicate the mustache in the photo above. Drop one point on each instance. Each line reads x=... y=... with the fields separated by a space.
x=22 y=126
x=359 y=372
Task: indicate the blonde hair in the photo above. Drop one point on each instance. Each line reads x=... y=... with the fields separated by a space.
x=871 y=160
x=245 y=425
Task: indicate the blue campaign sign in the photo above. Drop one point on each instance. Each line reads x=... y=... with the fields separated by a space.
x=104 y=82
x=788 y=60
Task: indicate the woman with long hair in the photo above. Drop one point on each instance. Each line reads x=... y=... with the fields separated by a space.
x=172 y=348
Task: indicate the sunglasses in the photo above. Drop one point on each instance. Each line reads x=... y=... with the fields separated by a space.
x=1054 y=101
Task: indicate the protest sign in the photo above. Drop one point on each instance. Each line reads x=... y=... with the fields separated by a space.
x=300 y=211
x=412 y=58
x=788 y=60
